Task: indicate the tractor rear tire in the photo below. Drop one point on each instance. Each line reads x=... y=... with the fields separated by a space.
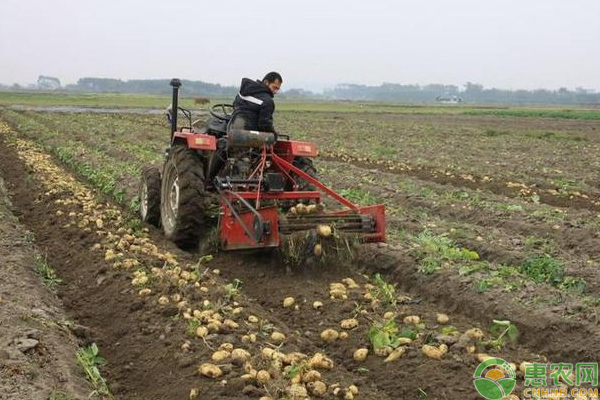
x=306 y=165
x=183 y=197
x=149 y=195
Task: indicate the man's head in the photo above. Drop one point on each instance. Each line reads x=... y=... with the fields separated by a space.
x=273 y=80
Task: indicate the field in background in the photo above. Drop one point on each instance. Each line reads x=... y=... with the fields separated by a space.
x=494 y=213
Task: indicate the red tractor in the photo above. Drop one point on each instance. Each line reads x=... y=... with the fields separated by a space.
x=265 y=186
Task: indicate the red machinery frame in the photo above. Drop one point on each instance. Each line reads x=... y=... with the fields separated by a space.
x=234 y=226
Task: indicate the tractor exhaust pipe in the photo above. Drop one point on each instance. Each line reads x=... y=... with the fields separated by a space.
x=176 y=83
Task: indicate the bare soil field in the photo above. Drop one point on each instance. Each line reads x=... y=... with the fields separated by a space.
x=489 y=218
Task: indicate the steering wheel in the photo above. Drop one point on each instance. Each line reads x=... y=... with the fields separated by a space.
x=222 y=112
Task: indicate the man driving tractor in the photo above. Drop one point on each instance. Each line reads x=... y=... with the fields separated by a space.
x=254 y=106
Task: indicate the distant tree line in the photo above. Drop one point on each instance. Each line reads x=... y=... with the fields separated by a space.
x=149 y=86
x=471 y=93
x=388 y=92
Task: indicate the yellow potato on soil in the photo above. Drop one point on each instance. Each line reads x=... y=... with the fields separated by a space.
x=470 y=349
x=231 y=324
x=201 y=331
x=220 y=355
x=360 y=355
x=240 y=355
x=262 y=377
x=474 y=333
x=481 y=357
x=320 y=361
x=432 y=352
x=412 y=319
x=317 y=388
x=267 y=353
x=210 y=370
x=311 y=376
x=395 y=354
x=343 y=335
x=353 y=389
x=296 y=391
x=351 y=283
x=388 y=315
x=226 y=346
x=193 y=394
x=318 y=250
x=330 y=335
x=266 y=398
x=317 y=305
x=324 y=230
x=277 y=337
x=383 y=351
x=442 y=319
x=145 y=292
x=163 y=300
x=252 y=319
x=524 y=365
x=288 y=302
x=349 y=323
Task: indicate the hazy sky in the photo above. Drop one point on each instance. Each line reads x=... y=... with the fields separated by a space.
x=312 y=43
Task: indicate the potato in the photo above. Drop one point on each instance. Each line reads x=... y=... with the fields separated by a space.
x=277 y=337
x=193 y=394
x=360 y=355
x=395 y=354
x=481 y=357
x=294 y=358
x=266 y=398
x=432 y=352
x=240 y=355
x=330 y=335
x=311 y=208
x=201 y=331
x=163 y=300
x=220 y=355
x=296 y=391
x=252 y=319
x=324 y=230
x=470 y=349
x=353 y=389
x=349 y=323
x=524 y=365
x=404 y=341
x=300 y=208
x=343 y=335
x=320 y=361
x=210 y=370
x=231 y=324
x=318 y=250
x=351 y=283
x=317 y=388
x=267 y=353
x=388 y=315
x=262 y=377
x=311 y=376
x=288 y=302
x=383 y=351
x=145 y=292
x=226 y=346
x=317 y=305
x=412 y=319
x=442 y=319
x=474 y=333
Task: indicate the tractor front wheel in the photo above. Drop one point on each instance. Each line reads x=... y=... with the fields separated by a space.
x=183 y=197
x=149 y=195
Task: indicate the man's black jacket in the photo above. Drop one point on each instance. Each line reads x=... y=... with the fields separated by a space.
x=253 y=107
